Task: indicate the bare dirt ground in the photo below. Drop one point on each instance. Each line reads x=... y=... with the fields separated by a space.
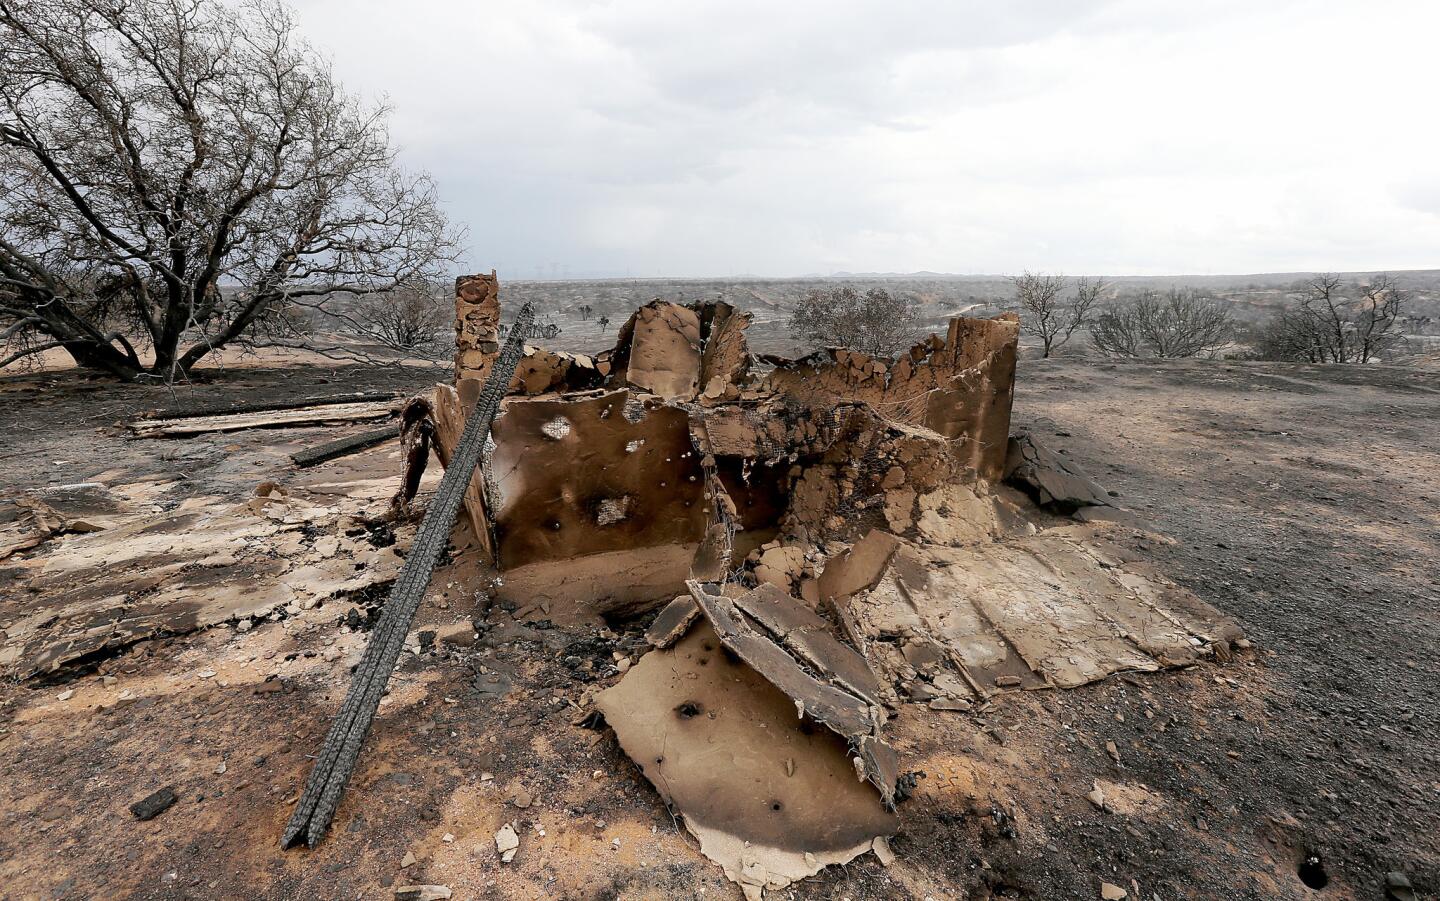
x=1304 y=501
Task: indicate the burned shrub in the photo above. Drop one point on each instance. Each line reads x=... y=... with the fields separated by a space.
x=1179 y=323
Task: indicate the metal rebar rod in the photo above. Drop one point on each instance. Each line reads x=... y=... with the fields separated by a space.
x=337 y=757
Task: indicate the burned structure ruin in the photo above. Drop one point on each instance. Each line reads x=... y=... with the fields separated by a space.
x=827 y=538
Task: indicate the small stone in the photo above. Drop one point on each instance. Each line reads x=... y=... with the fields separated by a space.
x=206 y=673
x=950 y=704
x=1113 y=751
x=1096 y=796
x=153 y=805
x=1007 y=681
x=448 y=837
x=244 y=625
x=407 y=861
x=1398 y=887
x=623 y=664
x=422 y=893
x=1112 y=892
x=65 y=695
x=881 y=847
x=220 y=768
x=521 y=798
x=507 y=842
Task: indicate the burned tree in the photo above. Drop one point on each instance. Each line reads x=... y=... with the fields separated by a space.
x=1046 y=314
x=1179 y=323
x=1336 y=324
x=877 y=322
x=178 y=172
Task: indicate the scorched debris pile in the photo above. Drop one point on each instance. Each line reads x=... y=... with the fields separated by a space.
x=828 y=537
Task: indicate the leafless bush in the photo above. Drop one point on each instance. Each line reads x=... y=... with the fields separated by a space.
x=416 y=318
x=1047 y=314
x=1334 y=323
x=1179 y=323
x=876 y=323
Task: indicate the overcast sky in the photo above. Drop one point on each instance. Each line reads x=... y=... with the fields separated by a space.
x=789 y=137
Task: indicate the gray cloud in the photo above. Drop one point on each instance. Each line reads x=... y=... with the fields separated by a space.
x=714 y=138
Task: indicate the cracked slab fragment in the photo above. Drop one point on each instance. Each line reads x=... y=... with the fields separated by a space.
x=31 y=518
x=771 y=797
x=673 y=621
x=806 y=635
x=203 y=564
x=844 y=713
x=860 y=567
x=1052 y=481
x=1056 y=609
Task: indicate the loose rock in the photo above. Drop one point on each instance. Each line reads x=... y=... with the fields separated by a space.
x=152 y=806
x=507 y=842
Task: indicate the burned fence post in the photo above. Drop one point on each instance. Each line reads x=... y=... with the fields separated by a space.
x=337 y=757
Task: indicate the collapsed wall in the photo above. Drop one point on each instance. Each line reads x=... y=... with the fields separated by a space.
x=605 y=469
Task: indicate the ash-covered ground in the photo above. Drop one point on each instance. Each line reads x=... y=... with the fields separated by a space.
x=1303 y=501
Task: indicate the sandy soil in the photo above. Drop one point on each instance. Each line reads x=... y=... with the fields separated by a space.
x=1304 y=501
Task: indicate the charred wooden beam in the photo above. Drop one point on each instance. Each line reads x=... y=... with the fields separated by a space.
x=321 y=453
x=357 y=397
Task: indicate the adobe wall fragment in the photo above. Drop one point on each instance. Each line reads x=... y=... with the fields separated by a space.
x=959 y=387
x=664 y=351
x=823 y=448
x=592 y=473
x=725 y=360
